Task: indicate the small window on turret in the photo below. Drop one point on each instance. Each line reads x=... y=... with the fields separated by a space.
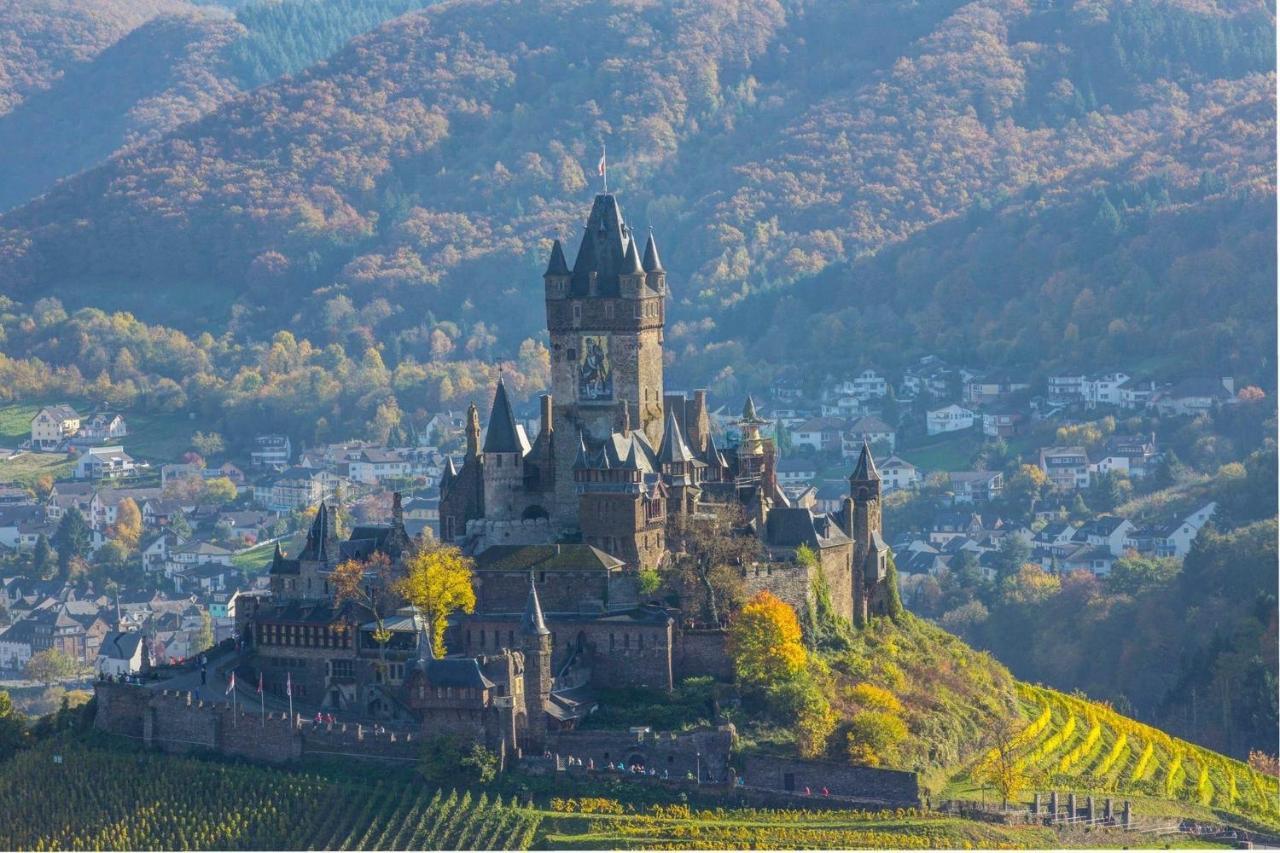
x=577 y=312
x=608 y=310
x=573 y=354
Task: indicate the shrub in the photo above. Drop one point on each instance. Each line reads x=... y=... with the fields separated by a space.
x=875 y=733
x=874 y=698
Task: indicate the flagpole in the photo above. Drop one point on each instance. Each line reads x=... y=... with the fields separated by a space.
x=289 y=690
x=262 y=700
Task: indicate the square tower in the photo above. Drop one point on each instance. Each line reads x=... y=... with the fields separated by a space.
x=605 y=318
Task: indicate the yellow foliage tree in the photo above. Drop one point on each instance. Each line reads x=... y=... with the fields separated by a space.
x=439 y=585
x=128 y=527
x=765 y=642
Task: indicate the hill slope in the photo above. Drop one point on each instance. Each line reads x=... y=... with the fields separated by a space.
x=419 y=172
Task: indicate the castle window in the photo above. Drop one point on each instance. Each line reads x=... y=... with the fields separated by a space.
x=511 y=639
x=573 y=354
x=639 y=313
x=468 y=638
x=640 y=641
x=542 y=577
x=626 y=641
x=608 y=310
x=496 y=640
x=482 y=639
x=577 y=312
x=612 y=644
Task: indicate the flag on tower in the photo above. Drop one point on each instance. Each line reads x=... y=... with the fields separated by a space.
x=259 y=682
x=600 y=167
x=288 y=684
x=231 y=685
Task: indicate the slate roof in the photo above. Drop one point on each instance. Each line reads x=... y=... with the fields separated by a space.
x=866 y=467
x=557 y=265
x=456 y=672
x=564 y=557
x=605 y=243
x=652 y=263
x=503 y=436
x=791 y=527
x=120 y=645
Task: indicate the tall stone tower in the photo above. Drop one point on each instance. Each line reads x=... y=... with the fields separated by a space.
x=605 y=318
x=870 y=554
x=535 y=641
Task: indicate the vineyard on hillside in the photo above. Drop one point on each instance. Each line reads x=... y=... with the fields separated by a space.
x=1076 y=744
x=96 y=800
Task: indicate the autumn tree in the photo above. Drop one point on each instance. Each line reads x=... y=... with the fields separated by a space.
x=128 y=527
x=765 y=642
x=709 y=550
x=220 y=490
x=208 y=443
x=50 y=666
x=369 y=583
x=438 y=583
x=999 y=766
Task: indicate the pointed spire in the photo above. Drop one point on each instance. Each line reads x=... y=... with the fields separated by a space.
x=866 y=467
x=449 y=473
x=631 y=261
x=502 y=436
x=674 y=448
x=749 y=412
x=532 y=624
x=652 y=263
x=557 y=265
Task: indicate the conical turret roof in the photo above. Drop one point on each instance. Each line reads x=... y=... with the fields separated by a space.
x=502 y=436
x=866 y=467
x=652 y=263
x=557 y=265
x=631 y=261
x=749 y=412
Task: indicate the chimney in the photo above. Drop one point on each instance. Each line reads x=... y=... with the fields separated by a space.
x=546 y=425
x=397 y=510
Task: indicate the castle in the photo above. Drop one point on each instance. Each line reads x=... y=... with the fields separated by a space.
x=562 y=529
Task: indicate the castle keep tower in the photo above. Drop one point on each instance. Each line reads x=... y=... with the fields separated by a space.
x=605 y=318
x=870 y=554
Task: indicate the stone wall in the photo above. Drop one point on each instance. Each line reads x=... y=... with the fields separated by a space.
x=704 y=753
x=788 y=581
x=701 y=652
x=175 y=721
x=873 y=785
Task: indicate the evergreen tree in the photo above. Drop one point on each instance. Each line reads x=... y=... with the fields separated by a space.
x=72 y=539
x=43 y=558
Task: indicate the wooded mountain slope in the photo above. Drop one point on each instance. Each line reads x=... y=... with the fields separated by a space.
x=414 y=179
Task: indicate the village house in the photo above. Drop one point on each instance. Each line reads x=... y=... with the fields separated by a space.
x=984 y=389
x=374 y=465
x=295 y=488
x=822 y=434
x=1066 y=467
x=870 y=429
x=102 y=426
x=195 y=553
x=105 y=463
x=898 y=473
x=1195 y=396
x=1137 y=394
x=52 y=426
x=1108 y=531
x=950 y=418
x=271 y=451
x=975 y=486
x=1140 y=451
x=1002 y=422
x=794 y=470
x=1104 y=390
x=1065 y=389
x=1173 y=539
x=122 y=653
x=21 y=526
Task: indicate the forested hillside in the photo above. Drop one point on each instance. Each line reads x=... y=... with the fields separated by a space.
x=1034 y=167
x=82 y=80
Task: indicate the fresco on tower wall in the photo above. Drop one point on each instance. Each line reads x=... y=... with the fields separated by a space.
x=595 y=370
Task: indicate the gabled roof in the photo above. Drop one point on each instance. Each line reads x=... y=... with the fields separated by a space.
x=502 y=435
